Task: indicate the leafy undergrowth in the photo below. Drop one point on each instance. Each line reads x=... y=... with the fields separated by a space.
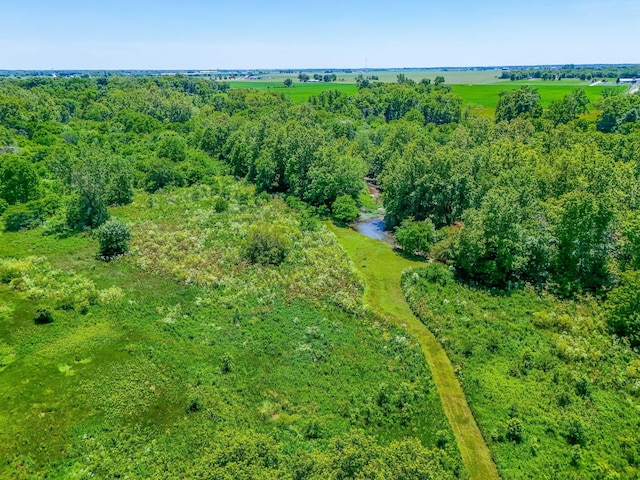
x=197 y=235
x=191 y=368
x=555 y=395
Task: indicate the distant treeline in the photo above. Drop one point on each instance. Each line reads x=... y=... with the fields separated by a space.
x=572 y=71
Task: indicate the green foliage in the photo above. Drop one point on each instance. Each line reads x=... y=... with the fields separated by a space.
x=622 y=308
x=629 y=246
x=416 y=237
x=234 y=362
x=497 y=241
x=86 y=210
x=344 y=209
x=43 y=316
x=582 y=229
x=119 y=185
x=618 y=110
x=541 y=375
x=160 y=174
x=524 y=102
x=21 y=217
x=19 y=181
x=515 y=430
x=172 y=147
x=332 y=177
x=266 y=244
x=546 y=201
x=568 y=108
x=114 y=236
x=575 y=432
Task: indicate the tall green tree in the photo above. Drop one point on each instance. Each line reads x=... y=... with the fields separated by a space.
x=524 y=102
x=582 y=228
x=19 y=181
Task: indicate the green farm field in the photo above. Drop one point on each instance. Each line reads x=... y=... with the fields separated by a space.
x=475 y=88
x=298 y=92
x=486 y=96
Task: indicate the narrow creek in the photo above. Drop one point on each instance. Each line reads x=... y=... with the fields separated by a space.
x=374 y=228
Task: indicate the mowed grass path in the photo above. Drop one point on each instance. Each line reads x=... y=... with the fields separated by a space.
x=382 y=269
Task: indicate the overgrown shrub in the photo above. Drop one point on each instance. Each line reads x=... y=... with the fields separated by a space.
x=114 y=237
x=19 y=218
x=575 y=432
x=43 y=316
x=622 y=308
x=416 y=237
x=86 y=210
x=514 y=430
x=344 y=209
x=266 y=245
x=160 y=174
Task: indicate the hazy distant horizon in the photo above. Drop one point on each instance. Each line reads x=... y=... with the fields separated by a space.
x=324 y=69
x=248 y=34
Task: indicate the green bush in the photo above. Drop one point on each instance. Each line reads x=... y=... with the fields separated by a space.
x=436 y=273
x=416 y=237
x=21 y=217
x=161 y=173
x=345 y=209
x=3 y=205
x=514 y=430
x=220 y=205
x=575 y=432
x=43 y=316
x=114 y=237
x=622 y=308
x=86 y=210
x=266 y=245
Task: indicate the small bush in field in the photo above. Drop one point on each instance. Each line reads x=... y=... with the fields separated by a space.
x=114 y=238
x=514 y=430
x=266 y=245
x=43 y=316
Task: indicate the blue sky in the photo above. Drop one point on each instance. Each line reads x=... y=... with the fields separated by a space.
x=116 y=34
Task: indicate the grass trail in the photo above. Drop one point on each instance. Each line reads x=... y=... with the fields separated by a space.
x=382 y=269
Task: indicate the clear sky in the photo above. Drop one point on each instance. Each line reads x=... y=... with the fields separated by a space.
x=188 y=34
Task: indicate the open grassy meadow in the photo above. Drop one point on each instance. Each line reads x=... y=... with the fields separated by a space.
x=554 y=394
x=182 y=360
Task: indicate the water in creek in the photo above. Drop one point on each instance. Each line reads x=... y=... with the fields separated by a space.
x=374 y=228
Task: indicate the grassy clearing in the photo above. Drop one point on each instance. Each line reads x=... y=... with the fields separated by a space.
x=555 y=395
x=149 y=371
x=382 y=269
